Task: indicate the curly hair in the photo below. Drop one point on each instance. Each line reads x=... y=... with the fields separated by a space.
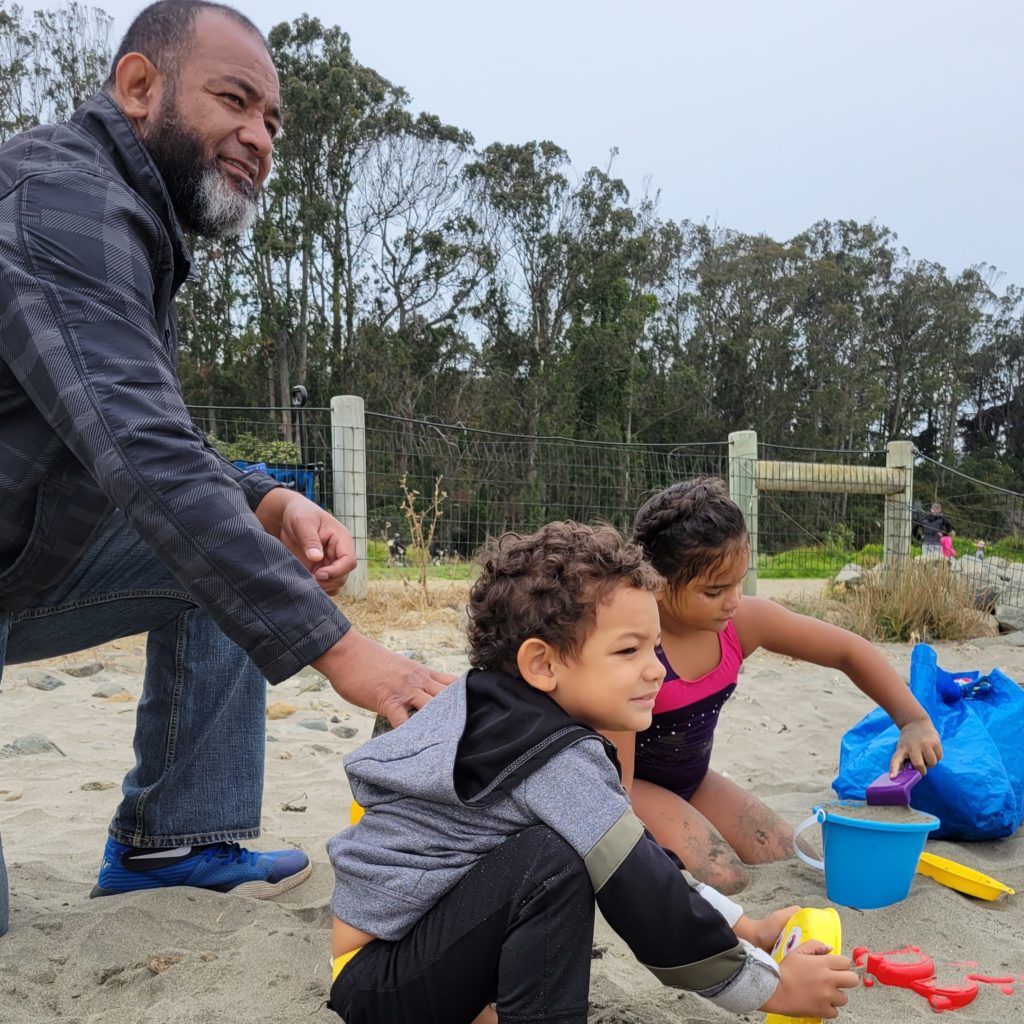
x=548 y=585
x=690 y=529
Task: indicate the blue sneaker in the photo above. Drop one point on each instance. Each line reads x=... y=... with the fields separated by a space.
x=222 y=867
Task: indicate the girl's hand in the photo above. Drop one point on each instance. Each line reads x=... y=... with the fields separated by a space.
x=919 y=744
x=763 y=931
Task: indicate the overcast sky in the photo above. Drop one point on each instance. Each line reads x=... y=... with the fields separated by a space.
x=759 y=116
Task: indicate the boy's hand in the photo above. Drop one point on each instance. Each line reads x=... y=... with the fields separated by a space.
x=763 y=931
x=812 y=982
x=919 y=744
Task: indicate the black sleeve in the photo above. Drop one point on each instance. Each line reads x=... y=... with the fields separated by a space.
x=671 y=929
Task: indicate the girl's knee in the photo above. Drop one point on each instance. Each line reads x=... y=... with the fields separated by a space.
x=723 y=869
x=729 y=878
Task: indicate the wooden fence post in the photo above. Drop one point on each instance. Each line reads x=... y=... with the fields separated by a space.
x=899 y=457
x=743 y=490
x=348 y=458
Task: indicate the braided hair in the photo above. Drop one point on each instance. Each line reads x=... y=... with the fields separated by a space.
x=690 y=529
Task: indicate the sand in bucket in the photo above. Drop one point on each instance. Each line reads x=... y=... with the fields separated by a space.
x=870 y=852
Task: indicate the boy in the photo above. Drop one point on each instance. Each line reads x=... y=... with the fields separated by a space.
x=495 y=816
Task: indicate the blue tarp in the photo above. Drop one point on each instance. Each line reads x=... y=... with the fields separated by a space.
x=307 y=480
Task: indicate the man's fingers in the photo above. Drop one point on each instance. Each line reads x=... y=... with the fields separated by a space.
x=395 y=713
x=419 y=699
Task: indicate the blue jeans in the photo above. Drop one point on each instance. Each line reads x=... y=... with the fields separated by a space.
x=200 y=725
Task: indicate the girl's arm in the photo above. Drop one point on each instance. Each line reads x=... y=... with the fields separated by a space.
x=762 y=623
x=625 y=745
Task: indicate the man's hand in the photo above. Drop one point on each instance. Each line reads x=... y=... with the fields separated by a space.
x=312 y=535
x=371 y=676
x=919 y=744
x=763 y=931
x=812 y=982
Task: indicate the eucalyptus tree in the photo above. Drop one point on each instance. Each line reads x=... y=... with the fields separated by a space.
x=993 y=421
x=428 y=257
x=611 y=260
x=844 y=267
x=311 y=247
x=746 y=343
x=523 y=199
x=50 y=62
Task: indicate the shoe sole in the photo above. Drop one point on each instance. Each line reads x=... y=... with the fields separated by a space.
x=267 y=890
x=255 y=890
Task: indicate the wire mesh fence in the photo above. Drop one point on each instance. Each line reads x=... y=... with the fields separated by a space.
x=976 y=510
x=813 y=512
x=806 y=529
x=495 y=482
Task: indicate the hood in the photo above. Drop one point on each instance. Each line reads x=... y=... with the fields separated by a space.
x=473 y=744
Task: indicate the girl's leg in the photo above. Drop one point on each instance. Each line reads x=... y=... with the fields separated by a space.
x=518 y=928
x=681 y=828
x=719 y=830
x=750 y=827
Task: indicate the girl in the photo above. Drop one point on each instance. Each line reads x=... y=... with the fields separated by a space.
x=695 y=536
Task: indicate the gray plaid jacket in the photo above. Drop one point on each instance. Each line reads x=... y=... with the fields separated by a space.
x=91 y=411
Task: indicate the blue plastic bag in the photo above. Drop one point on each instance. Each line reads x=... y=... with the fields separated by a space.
x=977 y=789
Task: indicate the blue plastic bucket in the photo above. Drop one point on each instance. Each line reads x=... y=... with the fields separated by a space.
x=867 y=863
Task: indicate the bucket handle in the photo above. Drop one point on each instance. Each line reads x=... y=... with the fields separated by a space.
x=817 y=818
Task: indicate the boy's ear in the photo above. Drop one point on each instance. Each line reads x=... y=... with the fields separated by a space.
x=536 y=664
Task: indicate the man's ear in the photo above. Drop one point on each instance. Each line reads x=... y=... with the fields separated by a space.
x=536 y=664
x=138 y=87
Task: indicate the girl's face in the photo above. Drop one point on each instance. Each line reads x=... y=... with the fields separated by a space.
x=708 y=602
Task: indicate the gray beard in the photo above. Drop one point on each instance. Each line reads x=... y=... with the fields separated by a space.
x=223 y=210
x=203 y=199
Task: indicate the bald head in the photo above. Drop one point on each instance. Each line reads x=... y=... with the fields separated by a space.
x=165 y=31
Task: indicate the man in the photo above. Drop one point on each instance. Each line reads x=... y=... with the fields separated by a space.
x=934 y=526
x=116 y=516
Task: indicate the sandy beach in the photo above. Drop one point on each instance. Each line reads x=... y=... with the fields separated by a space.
x=180 y=956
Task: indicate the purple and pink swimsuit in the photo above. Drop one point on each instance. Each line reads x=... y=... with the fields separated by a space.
x=675 y=751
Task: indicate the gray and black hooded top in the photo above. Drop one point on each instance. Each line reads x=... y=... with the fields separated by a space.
x=91 y=411
x=490 y=757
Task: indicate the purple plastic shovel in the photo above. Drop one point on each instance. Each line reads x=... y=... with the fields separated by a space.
x=893 y=792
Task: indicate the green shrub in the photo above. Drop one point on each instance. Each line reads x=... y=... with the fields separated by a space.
x=247 y=447
x=1011 y=548
x=916 y=601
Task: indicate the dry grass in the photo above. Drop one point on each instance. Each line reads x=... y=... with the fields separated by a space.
x=402 y=604
x=914 y=602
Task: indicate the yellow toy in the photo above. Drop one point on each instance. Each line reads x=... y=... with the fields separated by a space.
x=809 y=923
x=961 y=878
x=355 y=813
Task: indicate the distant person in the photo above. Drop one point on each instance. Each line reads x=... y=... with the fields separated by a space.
x=695 y=536
x=396 y=551
x=946 y=544
x=116 y=515
x=979 y=549
x=934 y=526
x=495 y=818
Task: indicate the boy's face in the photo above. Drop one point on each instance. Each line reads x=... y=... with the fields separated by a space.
x=614 y=680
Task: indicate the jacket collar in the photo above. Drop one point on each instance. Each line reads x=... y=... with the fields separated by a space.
x=511 y=731
x=104 y=120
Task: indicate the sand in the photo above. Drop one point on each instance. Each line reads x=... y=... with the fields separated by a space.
x=188 y=956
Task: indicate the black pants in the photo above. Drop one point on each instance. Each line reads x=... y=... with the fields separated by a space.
x=517 y=930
